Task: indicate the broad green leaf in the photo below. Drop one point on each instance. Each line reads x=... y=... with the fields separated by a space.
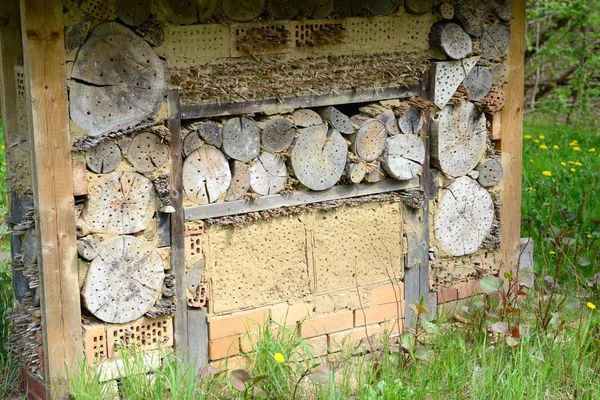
x=500 y=327
x=584 y=262
x=490 y=284
x=407 y=340
x=512 y=342
x=571 y=303
x=238 y=379
x=421 y=353
x=526 y=276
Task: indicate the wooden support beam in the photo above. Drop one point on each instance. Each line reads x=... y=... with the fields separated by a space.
x=45 y=79
x=511 y=143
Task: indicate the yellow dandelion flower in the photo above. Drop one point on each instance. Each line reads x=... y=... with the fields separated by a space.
x=555 y=147
x=573 y=170
x=527 y=136
x=573 y=143
x=577 y=148
x=591 y=305
x=2 y=147
x=593 y=149
x=552 y=253
x=536 y=141
x=531 y=189
x=543 y=147
x=572 y=162
x=547 y=173
x=531 y=161
x=578 y=164
x=564 y=164
x=589 y=235
x=542 y=137
x=279 y=358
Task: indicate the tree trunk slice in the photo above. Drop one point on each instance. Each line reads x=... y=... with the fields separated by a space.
x=306 y=118
x=285 y=9
x=133 y=12
x=104 y=10
x=318 y=9
x=418 y=6
x=463 y=218
x=77 y=32
x=478 y=83
x=472 y=14
x=211 y=133
x=180 y=12
x=445 y=10
x=243 y=10
x=503 y=9
x=191 y=142
x=318 y=157
x=450 y=39
x=355 y=172
x=499 y=74
x=147 y=152
x=240 y=181
x=268 y=174
x=124 y=281
x=411 y=120
x=404 y=156
x=337 y=120
x=375 y=173
x=241 y=139
x=494 y=101
x=278 y=135
x=490 y=172
x=349 y=8
x=104 y=157
x=382 y=7
x=448 y=76
x=459 y=138
x=117 y=81
x=369 y=142
x=391 y=123
x=207 y=9
x=88 y=249
x=121 y=203
x=206 y=175
x=495 y=41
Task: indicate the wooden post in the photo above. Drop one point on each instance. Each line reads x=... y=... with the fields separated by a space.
x=47 y=107
x=511 y=143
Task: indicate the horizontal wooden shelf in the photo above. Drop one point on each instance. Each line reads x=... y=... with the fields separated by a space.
x=275 y=104
x=297 y=198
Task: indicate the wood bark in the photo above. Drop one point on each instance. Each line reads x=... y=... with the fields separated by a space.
x=124 y=280
x=243 y=10
x=459 y=138
x=418 y=6
x=463 y=218
x=305 y=118
x=490 y=172
x=369 y=142
x=404 y=156
x=191 y=142
x=241 y=139
x=318 y=157
x=410 y=120
x=211 y=133
x=472 y=14
x=206 y=175
x=103 y=158
x=147 y=152
x=268 y=174
x=133 y=12
x=495 y=41
x=382 y=7
x=450 y=39
x=285 y=9
x=336 y=119
x=117 y=81
x=240 y=181
x=318 y=9
x=478 y=83
x=121 y=203
x=180 y=12
x=278 y=135
x=355 y=172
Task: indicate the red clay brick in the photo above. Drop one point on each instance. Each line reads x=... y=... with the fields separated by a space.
x=80 y=186
x=468 y=289
x=285 y=314
x=326 y=324
x=376 y=314
x=352 y=337
x=237 y=324
x=318 y=345
x=393 y=327
x=445 y=295
x=224 y=347
x=387 y=294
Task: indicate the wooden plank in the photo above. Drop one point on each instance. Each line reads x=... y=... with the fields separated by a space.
x=198 y=337
x=275 y=104
x=297 y=198
x=177 y=223
x=511 y=143
x=47 y=103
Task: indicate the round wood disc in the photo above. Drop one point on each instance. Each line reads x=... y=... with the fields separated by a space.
x=478 y=83
x=191 y=142
x=206 y=9
x=147 y=152
x=464 y=217
x=121 y=203
x=490 y=173
x=278 y=135
x=383 y=7
x=210 y=133
x=241 y=139
x=472 y=14
x=355 y=172
x=180 y=12
x=369 y=141
x=305 y=118
x=459 y=138
x=318 y=157
x=133 y=12
x=451 y=39
x=418 y=6
x=349 y=8
x=104 y=157
x=285 y=9
x=124 y=281
x=404 y=156
x=243 y=10
x=391 y=123
x=206 y=175
x=268 y=174
x=411 y=121
x=495 y=41
x=318 y=9
x=240 y=181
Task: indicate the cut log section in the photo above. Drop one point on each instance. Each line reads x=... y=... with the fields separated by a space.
x=472 y=14
x=121 y=203
x=375 y=173
x=124 y=280
x=306 y=118
x=450 y=39
x=103 y=158
x=337 y=120
x=210 y=133
x=503 y=9
x=104 y=10
x=411 y=120
x=418 y=6
x=117 y=81
x=369 y=142
x=318 y=157
x=391 y=123
x=463 y=218
x=278 y=135
x=459 y=138
x=147 y=152
x=499 y=74
x=447 y=77
x=180 y=12
x=445 y=10
x=285 y=9
x=404 y=156
x=206 y=9
x=77 y=32
x=268 y=174
x=318 y=9
x=383 y=7
x=349 y=8
x=133 y=12
x=89 y=248
x=240 y=181
x=495 y=41
x=191 y=142
x=243 y=10
x=478 y=83
x=241 y=139
x=355 y=172
x=490 y=172
x=494 y=101
x=206 y=175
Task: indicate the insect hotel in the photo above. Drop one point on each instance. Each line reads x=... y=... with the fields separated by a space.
x=182 y=173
